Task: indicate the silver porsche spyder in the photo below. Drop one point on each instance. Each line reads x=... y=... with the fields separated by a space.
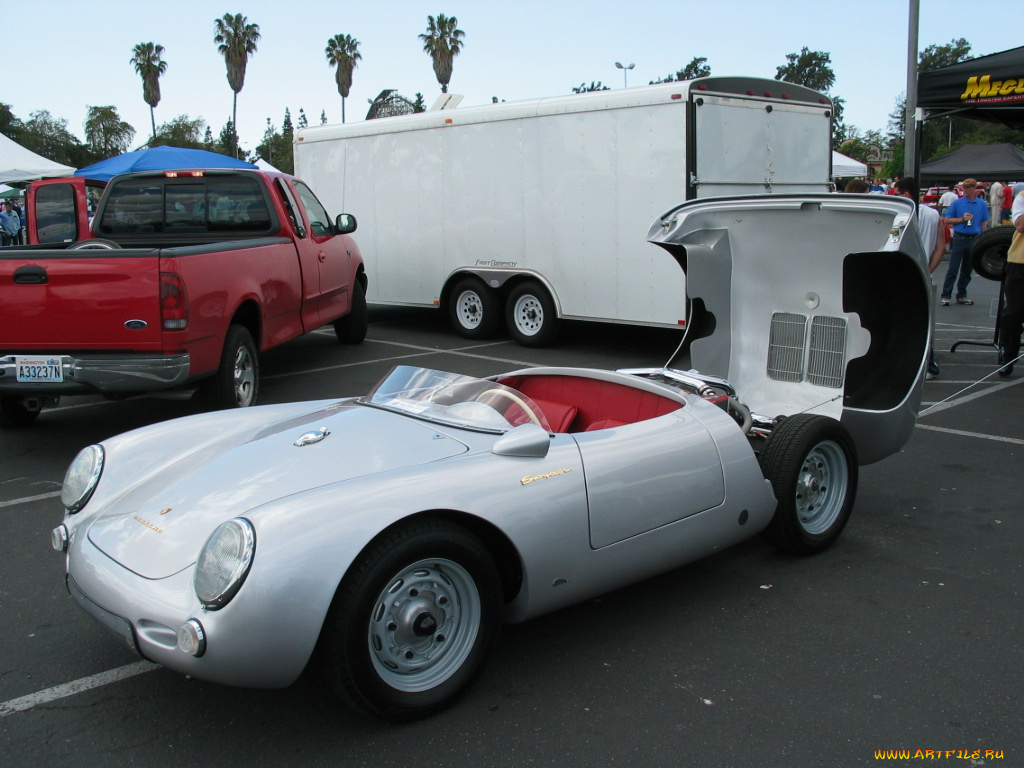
x=387 y=537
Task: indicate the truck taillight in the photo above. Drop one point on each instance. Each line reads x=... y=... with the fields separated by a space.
x=173 y=302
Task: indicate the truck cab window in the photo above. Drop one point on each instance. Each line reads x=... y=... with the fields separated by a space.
x=55 y=213
x=319 y=221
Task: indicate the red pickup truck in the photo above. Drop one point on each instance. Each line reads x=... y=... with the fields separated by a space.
x=180 y=280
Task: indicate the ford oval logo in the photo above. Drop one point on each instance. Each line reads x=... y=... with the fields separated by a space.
x=135 y=325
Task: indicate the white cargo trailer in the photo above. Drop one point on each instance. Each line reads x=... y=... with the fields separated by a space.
x=532 y=211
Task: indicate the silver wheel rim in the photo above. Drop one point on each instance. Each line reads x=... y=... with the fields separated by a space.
x=423 y=625
x=821 y=487
x=529 y=315
x=244 y=377
x=470 y=309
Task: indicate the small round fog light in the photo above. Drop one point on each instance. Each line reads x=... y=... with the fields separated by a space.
x=59 y=538
x=192 y=638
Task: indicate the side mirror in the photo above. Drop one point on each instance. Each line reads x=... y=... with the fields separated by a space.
x=527 y=441
x=345 y=224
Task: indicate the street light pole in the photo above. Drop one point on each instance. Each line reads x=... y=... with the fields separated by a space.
x=625 y=72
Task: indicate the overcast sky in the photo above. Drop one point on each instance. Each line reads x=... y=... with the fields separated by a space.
x=64 y=56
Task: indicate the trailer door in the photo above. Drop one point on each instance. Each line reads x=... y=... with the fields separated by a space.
x=747 y=146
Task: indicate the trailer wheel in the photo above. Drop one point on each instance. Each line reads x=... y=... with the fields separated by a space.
x=236 y=382
x=530 y=315
x=94 y=244
x=474 y=309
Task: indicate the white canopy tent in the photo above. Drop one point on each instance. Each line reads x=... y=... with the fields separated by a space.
x=845 y=167
x=20 y=164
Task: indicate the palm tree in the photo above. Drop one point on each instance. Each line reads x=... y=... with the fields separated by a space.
x=342 y=52
x=236 y=41
x=146 y=58
x=443 y=41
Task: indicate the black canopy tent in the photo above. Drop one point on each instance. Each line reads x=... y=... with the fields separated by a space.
x=990 y=162
x=986 y=88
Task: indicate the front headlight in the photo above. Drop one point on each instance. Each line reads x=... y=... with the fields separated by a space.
x=224 y=562
x=81 y=478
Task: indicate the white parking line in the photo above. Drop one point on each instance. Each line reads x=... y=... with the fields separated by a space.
x=964 y=433
x=76 y=686
x=29 y=499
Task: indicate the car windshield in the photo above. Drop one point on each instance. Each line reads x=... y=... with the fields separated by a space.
x=451 y=398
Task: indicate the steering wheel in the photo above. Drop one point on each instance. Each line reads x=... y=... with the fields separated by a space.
x=515 y=399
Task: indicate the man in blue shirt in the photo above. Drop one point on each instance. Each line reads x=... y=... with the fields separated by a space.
x=969 y=217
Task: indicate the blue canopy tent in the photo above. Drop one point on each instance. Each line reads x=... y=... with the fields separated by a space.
x=159 y=159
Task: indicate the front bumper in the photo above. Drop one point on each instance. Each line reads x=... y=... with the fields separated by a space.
x=101 y=373
x=247 y=643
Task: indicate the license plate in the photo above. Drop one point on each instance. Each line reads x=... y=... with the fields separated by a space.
x=34 y=370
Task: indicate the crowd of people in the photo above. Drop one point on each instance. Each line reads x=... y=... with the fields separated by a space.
x=12 y=223
x=960 y=214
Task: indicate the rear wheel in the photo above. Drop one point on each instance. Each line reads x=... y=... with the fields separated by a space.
x=237 y=380
x=812 y=466
x=413 y=621
x=351 y=329
x=13 y=412
x=474 y=309
x=530 y=315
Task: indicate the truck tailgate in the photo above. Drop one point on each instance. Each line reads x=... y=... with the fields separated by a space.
x=81 y=301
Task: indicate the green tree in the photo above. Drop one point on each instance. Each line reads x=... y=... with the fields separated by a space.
x=936 y=56
x=303 y=121
x=182 y=131
x=443 y=41
x=342 y=53
x=698 y=67
x=147 y=59
x=48 y=136
x=584 y=88
x=810 y=68
x=236 y=41
x=106 y=132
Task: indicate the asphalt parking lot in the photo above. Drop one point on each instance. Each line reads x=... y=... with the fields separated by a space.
x=906 y=636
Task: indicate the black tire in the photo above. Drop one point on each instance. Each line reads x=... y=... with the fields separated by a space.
x=474 y=309
x=988 y=252
x=351 y=329
x=413 y=621
x=14 y=414
x=94 y=244
x=530 y=315
x=236 y=383
x=811 y=463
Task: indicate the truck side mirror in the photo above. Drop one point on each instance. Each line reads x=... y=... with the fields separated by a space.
x=345 y=224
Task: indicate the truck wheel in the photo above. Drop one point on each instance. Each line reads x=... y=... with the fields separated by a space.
x=812 y=465
x=237 y=381
x=413 y=621
x=13 y=413
x=95 y=244
x=351 y=329
x=474 y=309
x=530 y=315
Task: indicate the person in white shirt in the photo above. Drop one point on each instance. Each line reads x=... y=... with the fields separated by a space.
x=933 y=239
x=995 y=203
x=1011 y=314
x=947 y=199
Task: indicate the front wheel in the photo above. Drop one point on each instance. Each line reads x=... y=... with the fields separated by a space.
x=351 y=329
x=236 y=382
x=413 y=621
x=531 y=316
x=13 y=412
x=812 y=466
